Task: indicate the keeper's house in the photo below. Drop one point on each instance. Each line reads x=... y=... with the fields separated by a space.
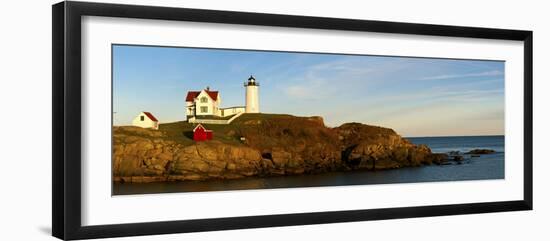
x=204 y=106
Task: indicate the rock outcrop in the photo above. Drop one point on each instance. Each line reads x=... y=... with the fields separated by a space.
x=375 y=148
x=481 y=151
x=279 y=145
x=145 y=159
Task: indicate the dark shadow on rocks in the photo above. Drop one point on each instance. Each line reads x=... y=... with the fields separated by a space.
x=188 y=134
x=345 y=156
x=267 y=155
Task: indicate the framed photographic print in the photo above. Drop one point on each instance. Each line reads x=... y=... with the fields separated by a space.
x=169 y=120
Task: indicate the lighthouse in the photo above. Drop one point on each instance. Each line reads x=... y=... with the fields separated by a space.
x=252 y=98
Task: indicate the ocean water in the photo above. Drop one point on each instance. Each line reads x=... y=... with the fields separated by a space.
x=460 y=143
x=489 y=166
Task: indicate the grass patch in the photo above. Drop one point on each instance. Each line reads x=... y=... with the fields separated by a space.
x=256 y=126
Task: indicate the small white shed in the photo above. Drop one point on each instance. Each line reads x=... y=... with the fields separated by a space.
x=146 y=120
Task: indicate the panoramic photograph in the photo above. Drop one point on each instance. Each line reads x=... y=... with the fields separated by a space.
x=202 y=119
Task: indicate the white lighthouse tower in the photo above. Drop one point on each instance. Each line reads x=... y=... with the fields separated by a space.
x=252 y=98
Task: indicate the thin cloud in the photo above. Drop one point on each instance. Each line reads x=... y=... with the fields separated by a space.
x=454 y=76
x=323 y=80
x=318 y=81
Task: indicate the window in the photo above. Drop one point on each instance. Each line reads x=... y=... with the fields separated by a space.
x=204 y=100
x=204 y=109
x=142 y=118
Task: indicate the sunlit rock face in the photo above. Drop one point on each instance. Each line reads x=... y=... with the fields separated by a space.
x=260 y=145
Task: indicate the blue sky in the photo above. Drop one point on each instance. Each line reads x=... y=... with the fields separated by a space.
x=414 y=96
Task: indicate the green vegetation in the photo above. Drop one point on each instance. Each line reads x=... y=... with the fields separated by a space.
x=182 y=131
x=264 y=130
x=259 y=116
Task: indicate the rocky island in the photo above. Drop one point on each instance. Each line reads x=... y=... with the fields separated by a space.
x=260 y=145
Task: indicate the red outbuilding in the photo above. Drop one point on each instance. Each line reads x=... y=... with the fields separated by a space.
x=202 y=134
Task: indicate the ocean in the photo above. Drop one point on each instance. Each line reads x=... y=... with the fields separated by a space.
x=490 y=166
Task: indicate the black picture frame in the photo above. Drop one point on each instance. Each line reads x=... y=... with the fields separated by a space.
x=66 y=158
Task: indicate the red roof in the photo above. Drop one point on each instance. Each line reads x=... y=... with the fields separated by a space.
x=191 y=95
x=199 y=126
x=151 y=117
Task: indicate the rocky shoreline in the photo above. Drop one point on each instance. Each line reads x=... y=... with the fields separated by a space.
x=273 y=146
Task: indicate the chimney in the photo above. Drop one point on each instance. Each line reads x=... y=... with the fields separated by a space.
x=207 y=88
